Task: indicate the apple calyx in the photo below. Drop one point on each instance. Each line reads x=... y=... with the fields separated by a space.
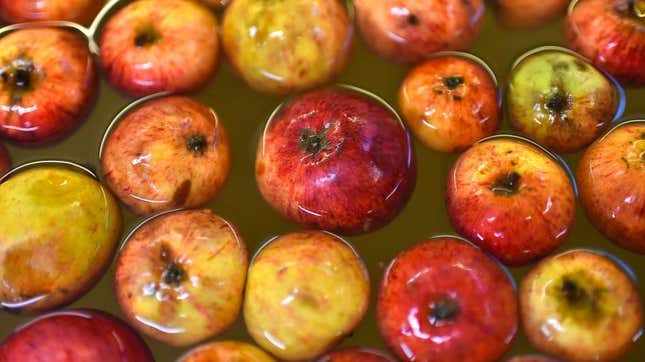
x=174 y=274
x=506 y=184
x=580 y=297
x=196 y=143
x=313 y=142
x=146 y=35
x=18 y=76
x=453 y=81
x=443 y=311
x=413 y=20
x=558 y=103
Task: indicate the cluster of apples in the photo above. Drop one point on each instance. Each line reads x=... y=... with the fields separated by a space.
x=337 y=159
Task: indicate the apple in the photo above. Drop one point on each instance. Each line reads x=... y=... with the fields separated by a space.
x=78 y=11
x=612 y=192
x=305 y=291
x=407 y=31
x=346 y=156
x=580 y=306
x=226 y=351
x=169 y=152
x=60 y=229
x=451 y=101
x=512 y=199
x=526 y=14
x=445 y=300
x=77 y=335
x=179 y=278
x=355 y=355
x=532 y=358
x=611 y=33
x=5 y=160
x=149 y=47
x=279 y=47
x=559 y=100
x=47 y=84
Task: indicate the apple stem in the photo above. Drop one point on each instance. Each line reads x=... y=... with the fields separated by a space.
x=444 y=310
x=506 y=185
x=196 y=144
x=174 y=274
x=313 y=142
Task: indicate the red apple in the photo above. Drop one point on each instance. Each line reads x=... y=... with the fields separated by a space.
x=5 y=161
x=612 y=34
x=168 y=153
x=512 y=199
x=450 y=102
x=180 y=277
x=407 y=31
x=446 y=300
x=532 y=358
x=81 y=335
x=581 y=305
x=336 y=159
x=612 y=191
x=47 y=84
x=355 y=355
x=528 y=13
x=78 y=11
x=226 y=351
x=149 y=46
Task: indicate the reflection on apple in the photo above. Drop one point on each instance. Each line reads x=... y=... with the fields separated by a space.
x=78 y=11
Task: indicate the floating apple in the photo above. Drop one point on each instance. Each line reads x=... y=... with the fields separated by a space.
x=149 y=47
x=560 y=100
x=78 y=11
x=346 y=156
x=532 y=358
x=60 y=229
x=355 y=355
x=445 y=300
x=512 y=199
x=227 y=351
x=529 y=14
x=180 y=277
x=407 y=31
x=47 y=84
x=580 y=306
x=612 y=192
x=81 y=335
x=450 y=102
x=286 y=46
x=305 y=292
x=168 y=153
x=5 y=161
x=612 y=34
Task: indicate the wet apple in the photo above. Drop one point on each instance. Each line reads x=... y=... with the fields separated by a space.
x=47 y=84
x=60 y=229
x=226 y=351
x=180 y=277
x=167 y=153
x=355 y=355
x=149 y=47
x=78 y=11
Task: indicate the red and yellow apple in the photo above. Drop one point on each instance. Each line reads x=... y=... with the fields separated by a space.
x=512 y=199
x=450 y=102
x=612 y=192
x=180 y=277
x=581 y=306
x=305 y=291
x=529 y=14
x=78 y=11
x=170 y=152
x=407 y=31
x=444 y=300
x=148 y=46
x=355 y=355
x=346 y=157
x=226 y=351
x=47 y=84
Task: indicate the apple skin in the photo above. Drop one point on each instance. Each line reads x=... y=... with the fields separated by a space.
x=52 y=262
x=226 y=351
x=609 y=33
x=610 y=175
x=148 y=47
x=407 y=31
x=281 y=47
x=21 y=11
x=560 y=100
x=348 y=159
x=355 y=355
x=580 y=306
x=305 y=291
x=480 y=314
x=526 y=14
x=76 y=335
x=532 y=358
x=168 y=153
x=180 y=277
x=450 y=102
x=5 y=160
x=47 y=84
x=511 y=199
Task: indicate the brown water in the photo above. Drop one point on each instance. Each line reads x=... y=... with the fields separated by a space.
x=243 y=113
